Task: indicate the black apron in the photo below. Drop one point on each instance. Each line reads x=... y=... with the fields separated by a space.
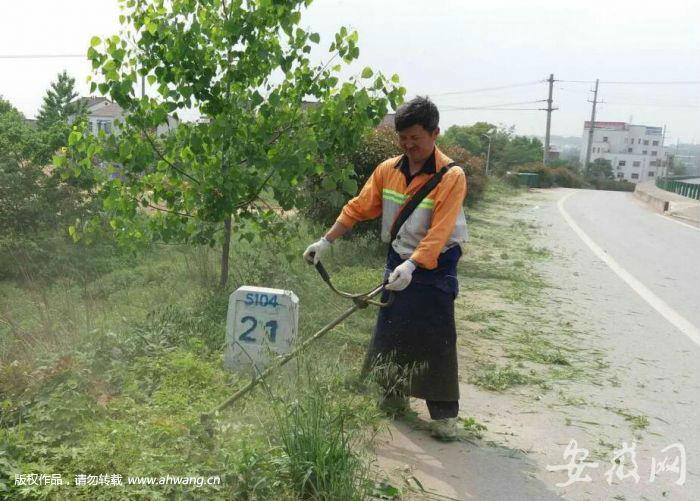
x=414 y=346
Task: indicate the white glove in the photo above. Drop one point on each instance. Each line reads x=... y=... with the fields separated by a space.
x=313 y=252
x=401 y=276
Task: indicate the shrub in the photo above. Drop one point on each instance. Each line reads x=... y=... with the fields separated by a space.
x=546 y=178
x=611 y=184
x=324 y=205
x=473 y=168
x=566 y=178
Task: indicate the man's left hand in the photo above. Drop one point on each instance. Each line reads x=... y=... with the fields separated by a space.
x=401 y=276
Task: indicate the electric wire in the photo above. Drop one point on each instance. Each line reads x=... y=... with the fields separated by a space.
x=39 y=56
x=486 y=89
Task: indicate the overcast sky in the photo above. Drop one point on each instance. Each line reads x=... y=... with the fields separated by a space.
x=443 y=47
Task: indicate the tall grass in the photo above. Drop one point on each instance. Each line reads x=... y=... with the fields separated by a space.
x=109 y=374
x=322 y=440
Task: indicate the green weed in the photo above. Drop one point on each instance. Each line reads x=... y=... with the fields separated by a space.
x=496 y=378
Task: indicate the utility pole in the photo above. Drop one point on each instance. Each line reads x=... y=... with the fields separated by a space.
x=590 y=131
x=549 y=110
x=488 y=153
x=664 y=157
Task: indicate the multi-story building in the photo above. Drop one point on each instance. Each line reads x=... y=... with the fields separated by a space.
x=636 y=152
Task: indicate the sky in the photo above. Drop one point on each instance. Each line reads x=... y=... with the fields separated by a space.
x=449 y=50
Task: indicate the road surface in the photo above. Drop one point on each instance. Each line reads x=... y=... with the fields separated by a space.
x=628 y=280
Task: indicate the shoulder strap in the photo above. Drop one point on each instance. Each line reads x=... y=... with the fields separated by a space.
x=416 y=199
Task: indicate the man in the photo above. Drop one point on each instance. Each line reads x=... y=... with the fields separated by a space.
x=417 y=332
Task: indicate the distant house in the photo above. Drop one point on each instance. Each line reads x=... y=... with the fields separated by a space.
x=103 y=113
x=636 y=152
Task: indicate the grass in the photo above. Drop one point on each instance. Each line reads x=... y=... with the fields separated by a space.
x=496 y=378
x=636 y=421
x=109 y=373
x=473 y=428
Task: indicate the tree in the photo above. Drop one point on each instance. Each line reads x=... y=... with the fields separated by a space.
x=600 y=168
x=31 y=200
x=246 y=67
x=507 y=150
x=59 y=102
x=678 y=168
x=471 y=137
x=520 y=150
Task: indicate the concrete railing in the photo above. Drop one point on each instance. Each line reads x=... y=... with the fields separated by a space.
x=677 y=184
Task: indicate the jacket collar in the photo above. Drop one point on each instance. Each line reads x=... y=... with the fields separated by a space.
x=434 y=162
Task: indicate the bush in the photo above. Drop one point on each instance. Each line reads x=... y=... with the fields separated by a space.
x=324 y=205
x=566 y=178
x=474 y=169
x=611 y=184
x=549 y=177
x=546 y=177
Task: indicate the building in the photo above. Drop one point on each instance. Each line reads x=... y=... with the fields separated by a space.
x=636 y=152
x=103 y=114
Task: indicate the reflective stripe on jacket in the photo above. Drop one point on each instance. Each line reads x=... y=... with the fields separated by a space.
x=436 y=225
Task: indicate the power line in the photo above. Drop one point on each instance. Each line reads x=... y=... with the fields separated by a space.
x=491 y=109
x=39 y=56
x=687 y=82
x=486 y=89
x=499 y=105
x=630 y=82
x=667 y=105
x=575 y=91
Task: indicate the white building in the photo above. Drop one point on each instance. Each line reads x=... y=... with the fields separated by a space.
x=636 y=152
x=105 y=115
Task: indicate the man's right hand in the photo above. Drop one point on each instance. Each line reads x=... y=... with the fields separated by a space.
x=313 y=252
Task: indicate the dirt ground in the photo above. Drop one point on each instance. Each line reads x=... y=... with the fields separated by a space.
x=596 y=365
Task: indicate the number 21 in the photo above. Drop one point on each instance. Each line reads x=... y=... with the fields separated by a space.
x=270 y=330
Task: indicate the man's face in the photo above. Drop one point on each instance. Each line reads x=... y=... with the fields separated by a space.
x=417 y=143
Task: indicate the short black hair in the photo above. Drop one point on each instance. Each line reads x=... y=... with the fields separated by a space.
x=418 y=111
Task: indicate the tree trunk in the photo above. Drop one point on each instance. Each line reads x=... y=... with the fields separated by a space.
x=223 y=280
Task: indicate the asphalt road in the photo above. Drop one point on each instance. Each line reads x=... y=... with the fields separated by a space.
x=663 y=254
x=633 y=278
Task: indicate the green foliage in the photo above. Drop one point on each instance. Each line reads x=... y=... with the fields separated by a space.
x=35 y=205
x=507 y=149
x=325 y=201
x=473 y=167
x=60 y=104
x=470 y=137
x=550 y=177
x=600 y=168
x=677 y=167
x=520 y=149
x=319 y=440
x=260 y=137
x=496 y=378
x=612 y=184
x=566 y=178
x=473 y=427
x=110 y=375
x=545 y=173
